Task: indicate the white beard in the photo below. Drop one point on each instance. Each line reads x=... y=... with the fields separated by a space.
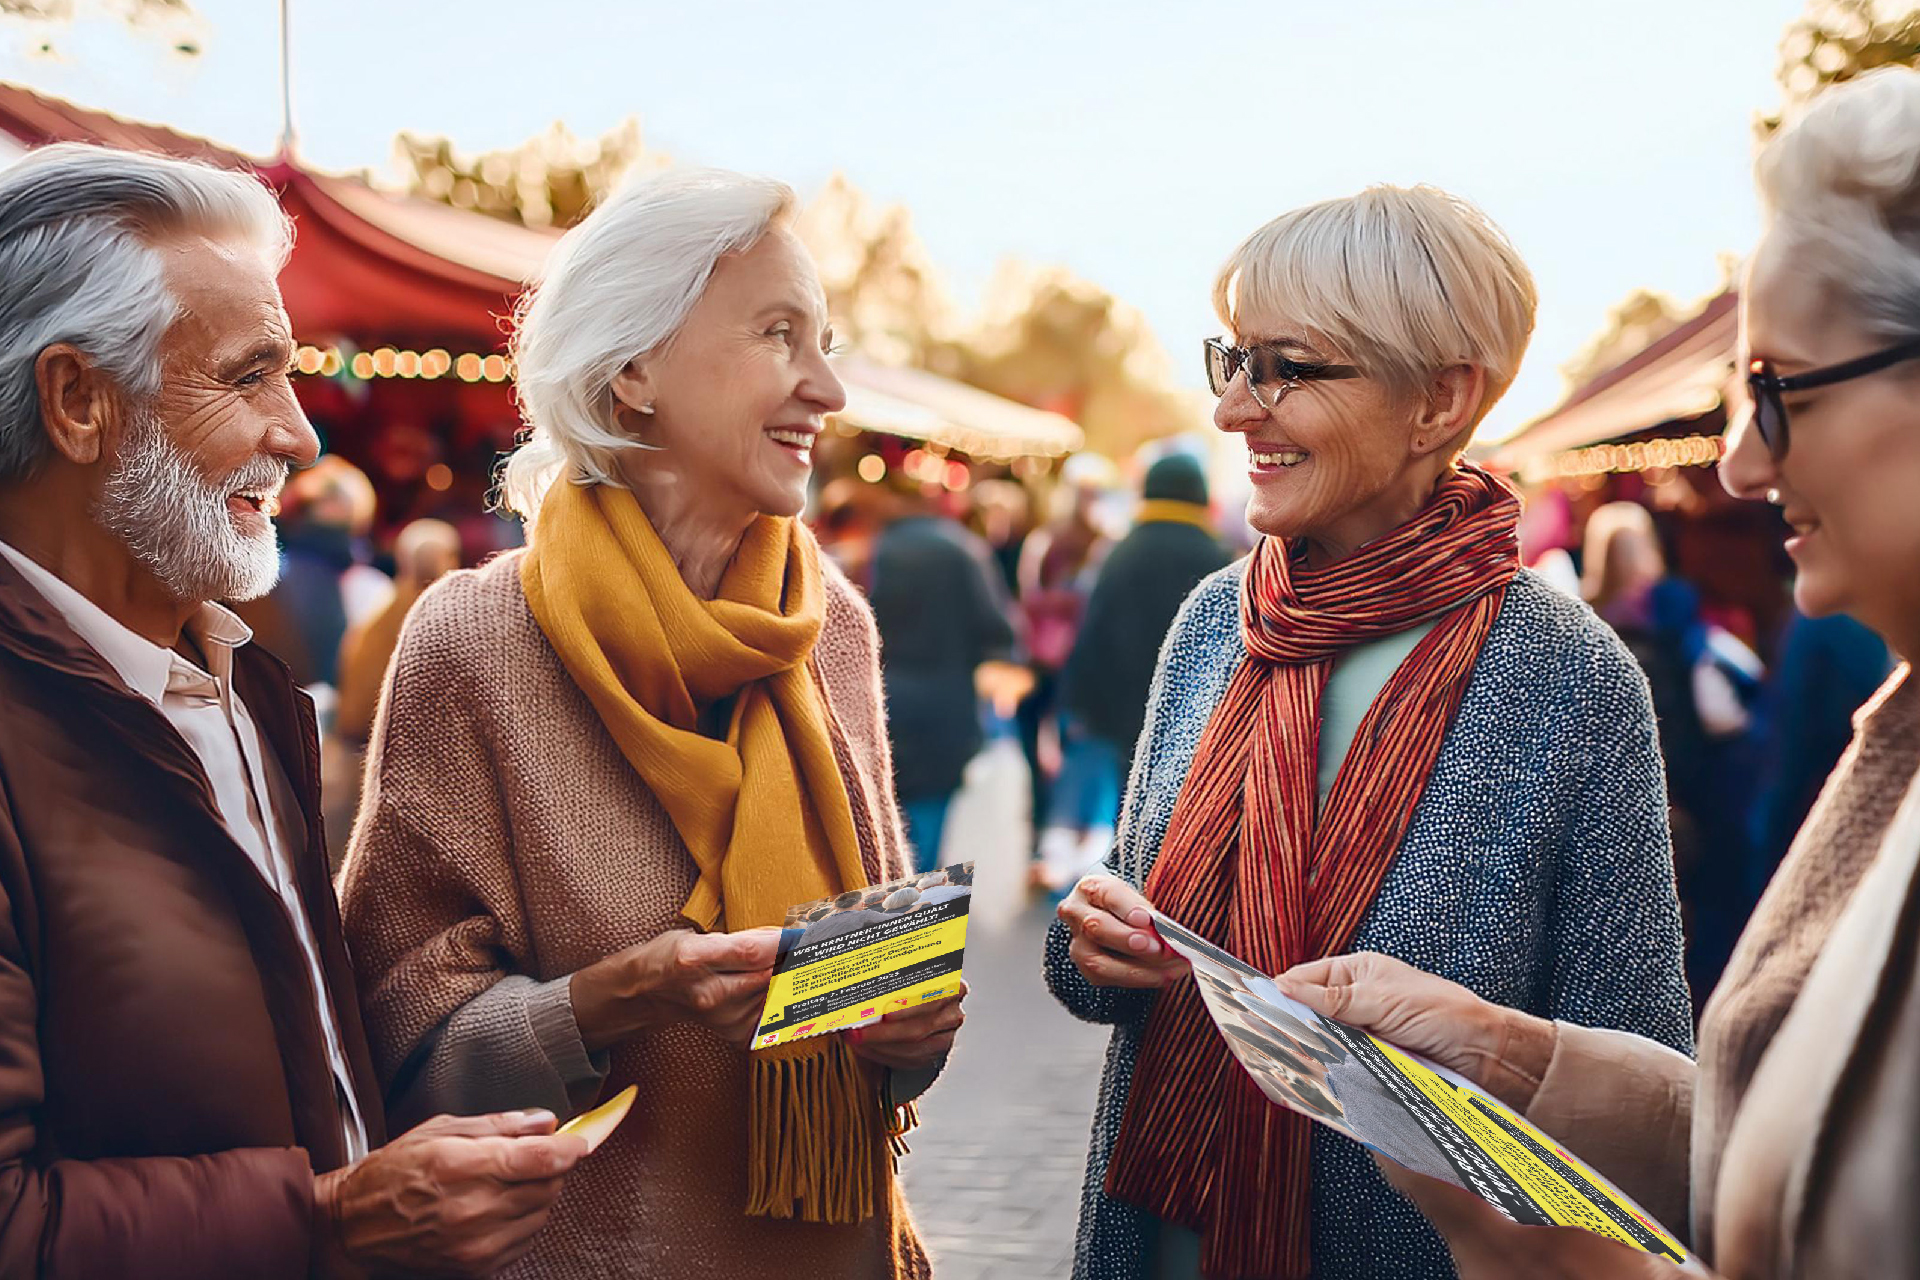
x=176 y=522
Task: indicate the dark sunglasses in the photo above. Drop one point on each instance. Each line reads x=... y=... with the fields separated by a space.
x=1766 y=387
x=1270 y=375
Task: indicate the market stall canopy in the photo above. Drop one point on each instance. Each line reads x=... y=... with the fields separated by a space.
x=369 y=266
x=917 y=405
x=1684 y=373
x=375 y=267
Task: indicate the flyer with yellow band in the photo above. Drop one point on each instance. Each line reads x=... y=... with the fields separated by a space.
x=851 y=960
x=1407 y=1108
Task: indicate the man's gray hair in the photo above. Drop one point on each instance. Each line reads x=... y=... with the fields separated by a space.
x=78 y=265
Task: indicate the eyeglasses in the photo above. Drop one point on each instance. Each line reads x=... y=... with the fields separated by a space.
x=1766 y=387
x=1270 y=375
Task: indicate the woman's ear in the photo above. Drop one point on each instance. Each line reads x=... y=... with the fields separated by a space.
x=633 y=387
x=1449 y=408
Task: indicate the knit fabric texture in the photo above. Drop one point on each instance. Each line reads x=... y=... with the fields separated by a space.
x=1538 y=871
x=1795 y=917
x=503 y=832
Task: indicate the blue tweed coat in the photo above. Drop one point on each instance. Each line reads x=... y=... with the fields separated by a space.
x=1537 y=871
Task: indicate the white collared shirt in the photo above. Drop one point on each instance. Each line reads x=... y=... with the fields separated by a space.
x=255 y=800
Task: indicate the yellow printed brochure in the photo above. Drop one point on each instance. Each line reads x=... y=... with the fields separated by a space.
x=1407 y=1108
x=851 y=960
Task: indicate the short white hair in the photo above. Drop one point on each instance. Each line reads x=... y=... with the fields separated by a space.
x=618 y=287
x=78 y=265
x=1843 y=180
x=1403 y=281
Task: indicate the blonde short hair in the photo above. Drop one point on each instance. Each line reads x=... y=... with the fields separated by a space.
x=1843 y=179
x=1403 y=281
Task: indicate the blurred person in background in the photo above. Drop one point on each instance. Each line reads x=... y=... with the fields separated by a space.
x=1003 y=517
x=1058 y=562
x=1104 y=688
x=943 y=623
x=188 y=1091
x=425 y=551
x=1791 y=1148
x=327 y=584
x=1377 y=731
x=605 y=767
x=1703 y=681
x=1826 y=670
x=848 y=522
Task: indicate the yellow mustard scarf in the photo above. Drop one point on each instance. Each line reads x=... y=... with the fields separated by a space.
x=763 y=811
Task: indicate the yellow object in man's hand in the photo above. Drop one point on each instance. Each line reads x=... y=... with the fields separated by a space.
x=597 y=1125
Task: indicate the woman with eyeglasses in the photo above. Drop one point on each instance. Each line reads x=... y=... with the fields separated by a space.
x=1796 y=1139
x=1379 y=732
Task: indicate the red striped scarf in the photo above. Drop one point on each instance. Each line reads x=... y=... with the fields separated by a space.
x=1246 y=864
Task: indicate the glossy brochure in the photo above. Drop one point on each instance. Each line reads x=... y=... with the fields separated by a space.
x=850 y=960
x=1407 y=1108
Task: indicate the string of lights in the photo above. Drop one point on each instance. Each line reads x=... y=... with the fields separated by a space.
x=388 y=362
x=1639 y=455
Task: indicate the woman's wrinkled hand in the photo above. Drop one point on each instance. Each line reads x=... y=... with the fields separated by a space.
x=1114 y=943
x=1487 y=1245
x=1500 y=1049
x=912 y=1038
x=718 y=980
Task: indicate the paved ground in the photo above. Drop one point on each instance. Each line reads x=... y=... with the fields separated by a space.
x=995 y=1172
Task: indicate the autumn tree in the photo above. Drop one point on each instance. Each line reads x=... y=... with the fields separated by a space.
x=548 y=181
x=1837 y=40
x=1045 y=339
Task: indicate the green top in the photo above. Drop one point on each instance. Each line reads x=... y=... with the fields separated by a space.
x=1358 y=677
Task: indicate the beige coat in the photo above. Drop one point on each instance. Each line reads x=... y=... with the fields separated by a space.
x=1812 y=1172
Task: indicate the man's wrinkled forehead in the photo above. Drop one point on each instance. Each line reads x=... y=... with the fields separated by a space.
x=225 y=295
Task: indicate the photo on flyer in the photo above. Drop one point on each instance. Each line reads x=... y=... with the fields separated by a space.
x=851 y=960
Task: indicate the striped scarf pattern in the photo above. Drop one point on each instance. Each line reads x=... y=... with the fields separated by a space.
x=1249 y=864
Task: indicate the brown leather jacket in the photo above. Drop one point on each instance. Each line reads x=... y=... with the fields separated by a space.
x=165 y=1098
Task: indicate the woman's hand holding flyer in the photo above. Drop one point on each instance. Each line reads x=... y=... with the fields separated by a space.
x=1461 y=1149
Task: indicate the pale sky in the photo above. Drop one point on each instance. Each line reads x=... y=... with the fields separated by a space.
x=1135 y=143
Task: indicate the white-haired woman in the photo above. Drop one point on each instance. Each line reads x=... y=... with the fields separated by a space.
x=1796 y=1140
x=603 y=767
x=1377 y=731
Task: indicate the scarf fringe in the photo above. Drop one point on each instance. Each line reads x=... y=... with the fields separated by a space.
x=814 y=1127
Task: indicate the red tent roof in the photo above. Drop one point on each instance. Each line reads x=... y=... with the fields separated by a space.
x=369 y=266
x=1685 y=372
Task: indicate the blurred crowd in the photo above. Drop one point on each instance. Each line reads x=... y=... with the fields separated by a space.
x=1012 y=614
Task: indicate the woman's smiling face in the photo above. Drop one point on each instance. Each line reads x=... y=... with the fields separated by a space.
x=1850 y=483
x=1327 y=453
x=739 y=394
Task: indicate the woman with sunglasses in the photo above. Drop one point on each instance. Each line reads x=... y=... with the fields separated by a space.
x=1377 y=731
x=1796 y=1140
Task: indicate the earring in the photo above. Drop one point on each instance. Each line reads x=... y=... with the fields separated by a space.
x=1773 y=496
x=647 y=407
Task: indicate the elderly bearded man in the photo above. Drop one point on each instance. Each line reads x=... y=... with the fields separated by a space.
x=185 y=1089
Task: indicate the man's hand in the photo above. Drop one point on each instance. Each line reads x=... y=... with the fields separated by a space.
x=1114 y=944
x=456 y=1196
x=912 y=1038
